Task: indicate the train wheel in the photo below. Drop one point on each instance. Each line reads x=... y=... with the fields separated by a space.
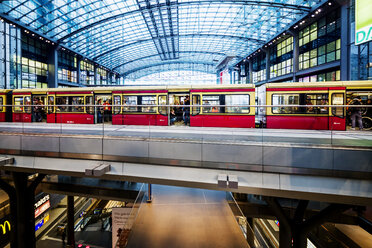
x=367 y=123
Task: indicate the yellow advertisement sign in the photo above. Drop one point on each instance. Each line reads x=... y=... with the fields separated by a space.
x=363 y=21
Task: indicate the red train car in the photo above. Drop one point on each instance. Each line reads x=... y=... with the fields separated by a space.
x=238 y=111
x=5 y=99
x=145 y=114
x=310 y=96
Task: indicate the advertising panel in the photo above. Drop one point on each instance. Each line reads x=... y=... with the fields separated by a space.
x=120 y=216
x=363 y=21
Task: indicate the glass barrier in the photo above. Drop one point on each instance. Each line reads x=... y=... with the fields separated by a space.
x=244 y=225
x=197 y=134
x=127 y=228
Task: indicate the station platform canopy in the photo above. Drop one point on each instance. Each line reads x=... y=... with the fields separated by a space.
x=130 y=36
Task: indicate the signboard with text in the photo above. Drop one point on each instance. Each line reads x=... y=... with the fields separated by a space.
x=119 y=217
x=363 y=21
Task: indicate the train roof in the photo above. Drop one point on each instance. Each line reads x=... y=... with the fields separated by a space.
x=348 y=84
x=4 y=90
x=129 y=88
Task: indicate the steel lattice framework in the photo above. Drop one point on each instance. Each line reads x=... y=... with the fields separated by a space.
x=135 y=35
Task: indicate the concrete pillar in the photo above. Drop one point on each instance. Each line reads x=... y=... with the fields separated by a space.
x=53 y=67
x=296 y=54
x=70 y=222
x=345 y=58
x=78 y=76
x=95 y=74
x=250 y=71
x=22 y=210
x=267 y=51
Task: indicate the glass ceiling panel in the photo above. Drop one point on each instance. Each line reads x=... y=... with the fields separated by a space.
x=137 y=34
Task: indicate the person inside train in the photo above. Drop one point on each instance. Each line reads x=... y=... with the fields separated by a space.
x=215 y=110
x=106 y=110
x=173 y=117
x=356 y=113
x=37 y=110
x=99 y=111
x=369 y=108
x=186 y=111
x=323 y=109
x=309 y=103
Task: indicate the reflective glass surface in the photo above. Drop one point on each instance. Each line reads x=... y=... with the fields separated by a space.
x=135 y=35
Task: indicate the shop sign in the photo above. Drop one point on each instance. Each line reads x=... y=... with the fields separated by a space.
x=42 y=209
x=5 y=229
x=363 y=21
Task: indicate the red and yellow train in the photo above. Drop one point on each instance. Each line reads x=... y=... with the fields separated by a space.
x=143 y=105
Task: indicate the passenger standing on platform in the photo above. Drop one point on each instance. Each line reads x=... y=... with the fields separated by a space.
x=186 y=111
x=356 y=113
x=63 y=235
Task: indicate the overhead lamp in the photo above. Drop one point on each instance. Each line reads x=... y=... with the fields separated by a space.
x=329 y=3
x=312 y=15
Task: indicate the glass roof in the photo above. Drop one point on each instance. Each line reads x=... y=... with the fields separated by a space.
x=132 y=35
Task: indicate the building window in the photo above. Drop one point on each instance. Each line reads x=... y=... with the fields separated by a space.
x=320 y=42
x=67 y=67
x=34 y=63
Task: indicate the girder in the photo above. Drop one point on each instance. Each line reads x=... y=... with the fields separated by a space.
x=182 y=52
x=138 y=34
x=244 y=39
x=168 y=63
x=162 y=5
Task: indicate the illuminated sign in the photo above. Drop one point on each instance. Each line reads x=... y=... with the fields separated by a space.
x=4 y=226
x=363 y=21
x=41 y=201
x=41 y=222
x=5 y=229
x=42 y=209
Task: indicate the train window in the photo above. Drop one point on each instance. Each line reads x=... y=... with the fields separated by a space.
x=50 y=103
x=27 y=102
x=18 y=102
x=1 y=103
x=89 y=101
x=148 y=100
x=231 y=100
x=316 y=99
x=338 y=99
x=117 y=101
x=162 y=100
x=78 y=103
x=195 y=101
x=75 y=103
x=130 y=100
x=211 y=100
x=285 y=99
x=60 y=102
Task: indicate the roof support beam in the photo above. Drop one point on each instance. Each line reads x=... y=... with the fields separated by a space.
x=179 y=4
x=154 y=55
x=165 y=63
x=220 y=36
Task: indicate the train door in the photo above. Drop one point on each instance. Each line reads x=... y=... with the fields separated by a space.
x=38 y=110
x=337 y=118
x=22 y=108
x=117 y=116
x=177 y=113
x=51 y=109
x=103 y=112
x=162 y=119
x=195 y=100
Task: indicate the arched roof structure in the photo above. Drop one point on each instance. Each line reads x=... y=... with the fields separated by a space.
x=134 y=35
